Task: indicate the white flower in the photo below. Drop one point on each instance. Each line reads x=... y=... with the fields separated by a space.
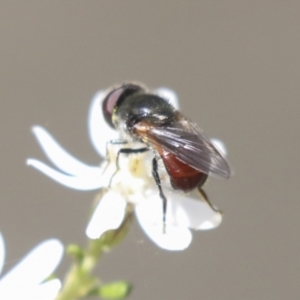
x=133 y=183
x=26 y=279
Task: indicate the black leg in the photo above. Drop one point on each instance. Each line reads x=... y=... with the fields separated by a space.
x=205 y=198
x=126 y=151
x=114 y=142
x=161 y=194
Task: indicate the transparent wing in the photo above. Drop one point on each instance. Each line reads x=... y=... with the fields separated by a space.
x=188 y=142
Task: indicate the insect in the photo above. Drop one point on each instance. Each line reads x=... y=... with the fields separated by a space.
x=187 y=154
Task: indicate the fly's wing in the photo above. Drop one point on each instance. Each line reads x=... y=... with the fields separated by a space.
x=185 y=140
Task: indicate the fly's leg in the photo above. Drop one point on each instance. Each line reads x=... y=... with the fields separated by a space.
x=161 y=194
x=125 y=151
x=114 y=142
x=203 y=196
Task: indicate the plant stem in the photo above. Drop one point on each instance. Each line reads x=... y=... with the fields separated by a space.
x=79 y=281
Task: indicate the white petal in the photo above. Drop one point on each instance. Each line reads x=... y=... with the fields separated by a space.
x=192 y=213
x=220 y=146
x=182 y=212
x=86 y=181
x=100 y=132
x=2 y=252
x=58 y=155
x=168 y=95
x=45 y=291
x=108 y=215
x=174 y=239
x=36 y=266
x=149 y=215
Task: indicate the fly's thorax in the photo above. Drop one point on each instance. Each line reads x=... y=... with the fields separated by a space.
x=139 y=107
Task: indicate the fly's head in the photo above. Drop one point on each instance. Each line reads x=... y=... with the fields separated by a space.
x=129 y=106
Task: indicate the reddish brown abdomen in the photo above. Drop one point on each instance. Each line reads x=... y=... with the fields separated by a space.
x=182 y=176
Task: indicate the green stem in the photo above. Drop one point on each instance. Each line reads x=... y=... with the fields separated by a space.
x=79 y=281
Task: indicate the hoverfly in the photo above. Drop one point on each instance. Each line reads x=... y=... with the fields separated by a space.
x=187 y=154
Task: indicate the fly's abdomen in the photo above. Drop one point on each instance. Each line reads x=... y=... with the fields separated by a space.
x=182 y=176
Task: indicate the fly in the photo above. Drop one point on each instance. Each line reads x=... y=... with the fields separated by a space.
x=187 y=154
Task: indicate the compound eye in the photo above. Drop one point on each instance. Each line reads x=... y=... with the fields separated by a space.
x=109 y=104
x=115 y=97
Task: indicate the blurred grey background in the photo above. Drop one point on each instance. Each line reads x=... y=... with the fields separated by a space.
x=236 y=68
